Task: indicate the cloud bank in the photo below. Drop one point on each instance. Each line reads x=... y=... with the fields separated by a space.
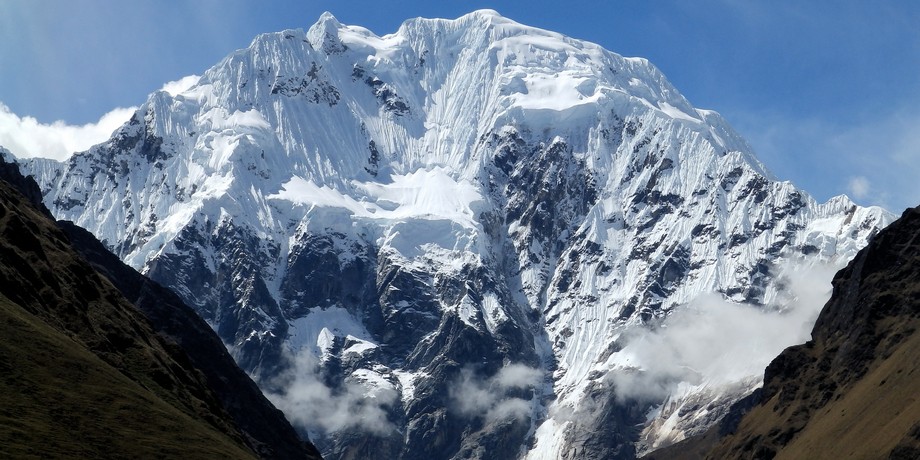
x=716 y=342
x=26 y=137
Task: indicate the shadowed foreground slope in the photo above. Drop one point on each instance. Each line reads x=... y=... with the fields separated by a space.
x=59 y=400
x=83 y=374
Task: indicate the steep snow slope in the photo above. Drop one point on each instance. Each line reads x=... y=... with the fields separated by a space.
x=416 y=229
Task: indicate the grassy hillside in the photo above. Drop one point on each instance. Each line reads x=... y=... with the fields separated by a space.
x=59 y=400
x=876 y=415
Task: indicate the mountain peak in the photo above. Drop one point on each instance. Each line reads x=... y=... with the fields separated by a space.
x=485 y=12
x=460 y=193
x=486 y=16
x=327 y=22
x=324 y=35
x=6 y=155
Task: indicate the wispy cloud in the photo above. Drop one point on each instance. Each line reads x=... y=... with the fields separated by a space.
x=498 y=397
x=312 y=404
x=180 y=85
x=717 y=342
x=859 y=187
x=26 y=137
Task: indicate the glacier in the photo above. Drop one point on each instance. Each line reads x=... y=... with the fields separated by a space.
x=462 y=207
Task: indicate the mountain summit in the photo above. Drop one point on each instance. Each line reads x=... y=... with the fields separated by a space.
x=435 y=243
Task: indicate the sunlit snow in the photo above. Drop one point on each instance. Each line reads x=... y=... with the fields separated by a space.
x=425 y=150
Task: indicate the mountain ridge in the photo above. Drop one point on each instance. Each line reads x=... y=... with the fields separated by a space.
x=446 y=204
x=860 y=365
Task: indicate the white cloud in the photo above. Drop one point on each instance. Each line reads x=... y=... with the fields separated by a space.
x=858 y=187
x=497 y=397
x=180 y=85
x=27 y=137
x=310 y=403
x=717 y=342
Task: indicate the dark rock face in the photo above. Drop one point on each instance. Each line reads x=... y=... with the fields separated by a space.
x=312 y=86
x=399 y=306
x=26 y=186
x=387 y=97
x=621 y=421
x=219 y=284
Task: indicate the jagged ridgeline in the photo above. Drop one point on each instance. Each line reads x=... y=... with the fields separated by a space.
x=441 y=242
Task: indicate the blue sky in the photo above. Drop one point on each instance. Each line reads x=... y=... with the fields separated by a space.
x=827 y=92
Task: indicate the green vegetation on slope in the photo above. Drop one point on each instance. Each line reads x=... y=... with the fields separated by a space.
x=872 y=418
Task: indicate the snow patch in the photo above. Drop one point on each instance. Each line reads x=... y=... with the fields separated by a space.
x=318 y=329
x=676 y=113
x=181 y=85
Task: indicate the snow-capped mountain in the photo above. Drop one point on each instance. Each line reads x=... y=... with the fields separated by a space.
x=433 y=243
